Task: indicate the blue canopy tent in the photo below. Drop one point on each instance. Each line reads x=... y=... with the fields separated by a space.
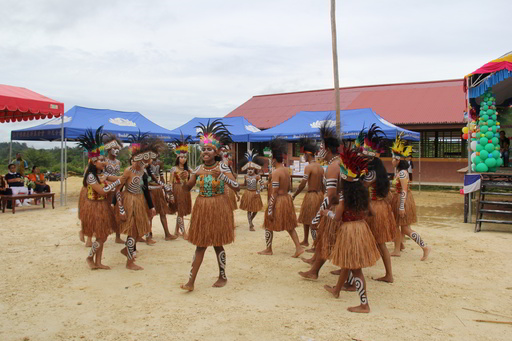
x=240 y=128
x=306 y=124
x=78 y=119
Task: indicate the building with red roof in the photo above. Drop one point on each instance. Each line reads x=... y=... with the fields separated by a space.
x=435 y=109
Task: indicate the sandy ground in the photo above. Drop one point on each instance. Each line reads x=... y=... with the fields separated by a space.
x=48 y=293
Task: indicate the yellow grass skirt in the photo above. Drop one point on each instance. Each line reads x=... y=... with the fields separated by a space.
x=97 y=218
x=251 y=201
x=285 y=218
x=183 y=200
x=410 y=209
x=310 y=206
x=383 y=223
x=159 y=201
x=137 y=219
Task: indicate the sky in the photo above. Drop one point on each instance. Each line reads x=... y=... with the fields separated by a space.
x=175 y=60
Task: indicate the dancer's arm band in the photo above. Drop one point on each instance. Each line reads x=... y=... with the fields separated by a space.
x=227 y=180
x=331 y=183
x=275 y=184
x=271 y=204
x=324 y=206
x=403 y=197
x=120 y=201
x=112 y=186
x=305 y=177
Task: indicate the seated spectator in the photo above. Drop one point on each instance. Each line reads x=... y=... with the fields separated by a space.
x=38 y=179
x=16 y=183
x=5 y=190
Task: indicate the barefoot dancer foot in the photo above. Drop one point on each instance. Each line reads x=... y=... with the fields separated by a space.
x=81 y=236
x=426 y=252
x=269 y=236
x=387 y=279
x=90 y=263
x=266 y=252
x=306 y=260
x=309 y=274
x=187 y=287
x=171 y=237
x=312 y=250
x=130 y=265
x=395 y=254
x=88 y=243
x=332 y=290
x=363 y=308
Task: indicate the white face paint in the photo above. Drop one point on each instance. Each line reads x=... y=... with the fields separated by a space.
x=322 y=152
x=114 y=151
x=250 y=171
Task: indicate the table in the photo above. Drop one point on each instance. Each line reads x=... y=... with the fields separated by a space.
x=5 y=198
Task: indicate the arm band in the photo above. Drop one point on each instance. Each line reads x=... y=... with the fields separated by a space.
x=112 y=186
x=227 y=180
x=324 y=206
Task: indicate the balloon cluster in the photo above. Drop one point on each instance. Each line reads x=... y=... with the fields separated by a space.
x=485 y=132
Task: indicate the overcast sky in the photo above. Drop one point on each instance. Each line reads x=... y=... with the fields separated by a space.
x=173 y=60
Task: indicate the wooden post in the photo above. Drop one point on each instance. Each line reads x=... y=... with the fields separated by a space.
x=335 y=66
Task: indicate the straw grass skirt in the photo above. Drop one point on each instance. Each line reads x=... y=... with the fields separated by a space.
x=410 y=209
x=310 y=206
x=137 y=219
x=251 y=201
x=81 y=199
x=97 y=218
x=212 y=222
x=232 y=197
x=160 y=202
x=285 y=218
x=326 y=236
x=183 y=200
x=383 y=223
x=355 y=246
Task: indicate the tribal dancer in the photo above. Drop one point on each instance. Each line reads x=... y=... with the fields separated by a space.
x=112 y=147
x=325 y=228
x=179 y=177
x=381 y=220
x=132 y=206
x=212 y=222
x=313 y=177
x=251 y=199
x=355 y=246
x=227 y=159
x=96 y=216
x=403 y=203
x=280 y=213
x=161 y=193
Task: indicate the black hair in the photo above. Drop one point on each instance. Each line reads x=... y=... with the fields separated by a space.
x=278 y=147
x=328 y=134
x=356 y=196
x=382 y=181
x=309 y=145
x=402 y=165
x=177 y=163
x=91 y=169
x=11 y=164
x=34 y=168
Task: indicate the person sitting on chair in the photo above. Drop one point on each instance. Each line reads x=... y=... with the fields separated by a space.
x=38 y=179
x=16 y=183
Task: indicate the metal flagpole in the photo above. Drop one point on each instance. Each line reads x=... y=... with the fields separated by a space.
x=61 y=160
x=419 y=168
x=335 y=66
x=66 y=171
x=10 y=150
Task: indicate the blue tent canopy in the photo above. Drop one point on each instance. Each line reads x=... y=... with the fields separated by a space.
x=78 y=119
x=240 y=128
x=306 y=124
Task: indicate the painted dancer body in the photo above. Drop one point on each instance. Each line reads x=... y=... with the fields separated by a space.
x=212 y=222
x=133 y=204
x=323 y=227
x=403 y=203
x=161 y=193
x=313 y=178
x=180 y=176
x=251 y=199
x=381 y=220
x=96 y=216
x=280 y=213
x=355 y=247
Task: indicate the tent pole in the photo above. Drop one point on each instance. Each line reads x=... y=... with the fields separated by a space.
x=61 y=160
x=66 y=171
x=10 y=150
x=419 y=169
x=469 y=152
x=335 y=66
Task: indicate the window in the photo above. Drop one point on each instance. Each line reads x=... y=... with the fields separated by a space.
x=441 y=144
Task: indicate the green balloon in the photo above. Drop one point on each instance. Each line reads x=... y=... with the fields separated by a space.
x=489 y=102
x=490 y=123
x=499 y=162
x=482 y=168
x=495 y=154
x=490 y=111
x=479 y=147
x=483 y=141
x=484 y=129
x=493 y=169
x=494 y=117
x=495 y=141
x=493 y=129
x=490 y=162
x=489 y=147
x=485 y=107
x=484 y=154
x=485 y=117
x=477 y=160
x=489 y=135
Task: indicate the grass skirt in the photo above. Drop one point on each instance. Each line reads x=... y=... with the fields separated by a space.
x=97 y=218
x=212 y=222
x=355 y=246
x=182 y=200
x=251 y=201
x=137 y=219
x=410 y=210
x=285 y=218
x=231 y=196
x=159 y=201
x=310 y=206
x=81 y=199
x=326 y=236
x=383 y=223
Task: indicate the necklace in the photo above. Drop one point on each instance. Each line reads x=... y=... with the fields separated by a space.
x=333 y=159
x=210 y=168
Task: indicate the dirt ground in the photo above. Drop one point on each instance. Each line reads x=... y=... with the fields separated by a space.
x=48 y=293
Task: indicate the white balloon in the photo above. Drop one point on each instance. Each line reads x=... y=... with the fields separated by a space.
x=473 y=156
x=473 y=135
x=473 y=145
x=473 y=167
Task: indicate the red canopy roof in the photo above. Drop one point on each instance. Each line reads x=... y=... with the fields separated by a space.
x=20 y=104
x=408 y=103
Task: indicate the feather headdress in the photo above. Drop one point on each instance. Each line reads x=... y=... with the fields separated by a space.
x=181 y=144
x=92 y=142
x=140 y=148
x=251 y=160
x=213 y=134
x=374 y=141
x=328 y=135
x=399 y=149
x=359 y=141
x=278 y=148
x=352 y=165
x=111 y=141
